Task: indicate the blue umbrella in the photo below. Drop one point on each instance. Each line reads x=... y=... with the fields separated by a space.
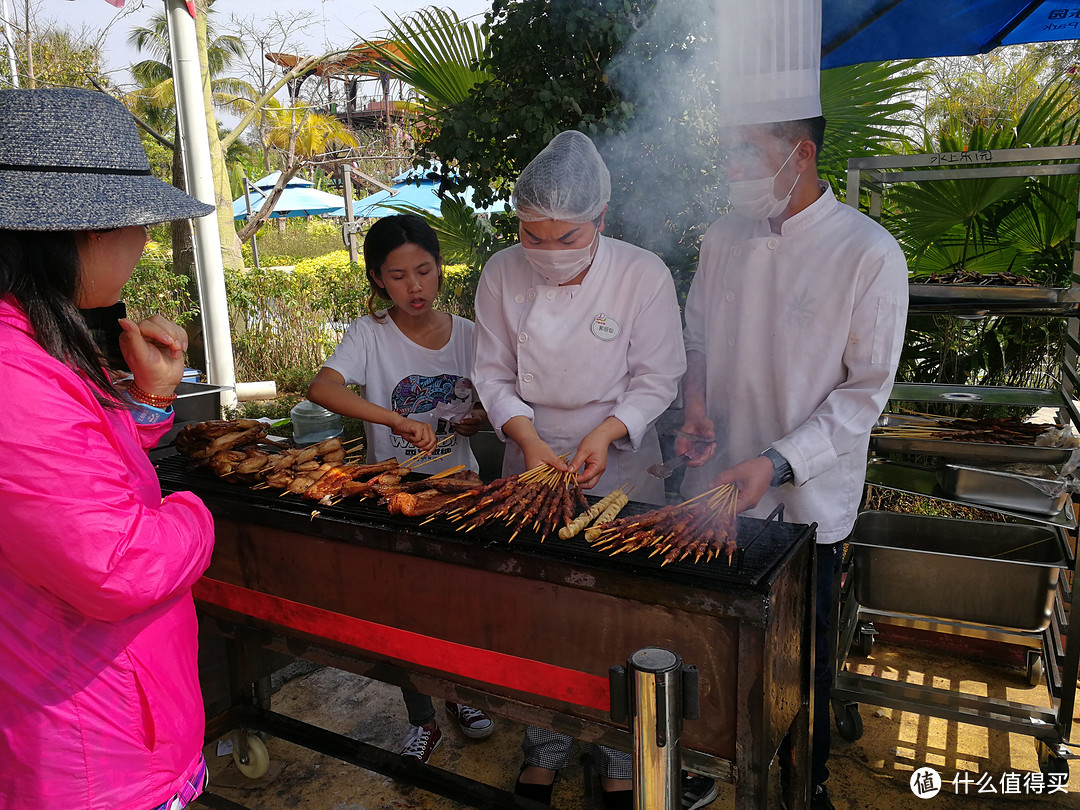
x=879 y=30
x=415 y=188
x=298 y=199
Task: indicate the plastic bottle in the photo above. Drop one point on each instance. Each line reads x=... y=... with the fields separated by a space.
x=312 y=423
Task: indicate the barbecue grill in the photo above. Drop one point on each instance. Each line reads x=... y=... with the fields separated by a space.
x=527 y=630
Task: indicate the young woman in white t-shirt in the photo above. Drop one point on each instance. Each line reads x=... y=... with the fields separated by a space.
x=413 y=362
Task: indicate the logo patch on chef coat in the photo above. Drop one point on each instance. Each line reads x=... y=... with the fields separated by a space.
x=605 y=327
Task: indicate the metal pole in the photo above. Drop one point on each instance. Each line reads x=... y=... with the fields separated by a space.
x=254 y=241
x=656 y=703
x=350 y=227
x=195 y=145
x=10 y=44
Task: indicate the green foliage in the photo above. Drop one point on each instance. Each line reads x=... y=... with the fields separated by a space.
x=154 y=289
x=538 y=87
x=300 y=239
x=988 y=225
x=62 y=58
x=458 y=292
x=280 y=320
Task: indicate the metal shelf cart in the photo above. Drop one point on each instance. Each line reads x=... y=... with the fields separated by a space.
x=1044 y=579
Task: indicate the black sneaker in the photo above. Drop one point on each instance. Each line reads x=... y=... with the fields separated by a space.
x=697 y=791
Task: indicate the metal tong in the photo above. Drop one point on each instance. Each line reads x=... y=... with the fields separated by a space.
x=665 y=470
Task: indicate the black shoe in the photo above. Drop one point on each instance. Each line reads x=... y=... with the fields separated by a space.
x=697 y=791
x=538 y=793
x=618 y=799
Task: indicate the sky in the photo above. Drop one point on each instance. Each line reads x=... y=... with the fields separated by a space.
x=335 y=20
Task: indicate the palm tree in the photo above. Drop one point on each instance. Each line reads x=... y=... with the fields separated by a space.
x=300 y=137
x=154 y=101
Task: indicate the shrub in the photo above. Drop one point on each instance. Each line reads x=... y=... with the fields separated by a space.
x=298 y=240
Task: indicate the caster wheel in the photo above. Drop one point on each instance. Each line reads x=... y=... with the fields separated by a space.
x=1054 y=764
x=863 y=644
x=1050 y=761
x=849 y=723
x=1034 y=668
x=257 y=761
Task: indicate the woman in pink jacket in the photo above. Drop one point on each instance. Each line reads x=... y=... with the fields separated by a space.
x=99 y=695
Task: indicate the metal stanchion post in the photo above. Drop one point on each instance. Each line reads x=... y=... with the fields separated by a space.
x=656 y=723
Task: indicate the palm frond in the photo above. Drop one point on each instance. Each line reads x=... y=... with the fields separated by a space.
x=436 y=53
x=867 y=108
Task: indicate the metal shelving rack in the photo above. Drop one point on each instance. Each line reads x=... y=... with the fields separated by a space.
x=1047 y=653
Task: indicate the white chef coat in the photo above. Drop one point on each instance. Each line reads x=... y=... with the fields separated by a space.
x=428 y=385
x=801 y=333
x=569 y=357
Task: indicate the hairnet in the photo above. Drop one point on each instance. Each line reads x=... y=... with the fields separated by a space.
x=567 y=181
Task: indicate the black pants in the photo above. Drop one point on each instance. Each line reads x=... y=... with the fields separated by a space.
x=829 y=559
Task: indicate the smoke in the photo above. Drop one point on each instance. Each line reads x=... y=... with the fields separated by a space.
x=690 y=69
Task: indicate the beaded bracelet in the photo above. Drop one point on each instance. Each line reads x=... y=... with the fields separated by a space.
x=145 y=398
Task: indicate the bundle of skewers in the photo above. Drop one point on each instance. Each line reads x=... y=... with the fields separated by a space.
x=538 y=500
x=240 y=451
x=702 y=527
x=1003 y=430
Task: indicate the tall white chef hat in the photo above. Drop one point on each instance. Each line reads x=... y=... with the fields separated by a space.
x=769 y=60
x=567 y=181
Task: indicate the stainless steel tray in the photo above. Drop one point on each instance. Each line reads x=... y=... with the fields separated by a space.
x=1002 y=489
x=916 y=479
x=968 y=451
x=999 y=574
x=977 y=300
x=983 y=294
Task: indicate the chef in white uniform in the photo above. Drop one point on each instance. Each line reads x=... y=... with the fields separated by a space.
x=578 y=346
x=794 y=325
x=578 y=351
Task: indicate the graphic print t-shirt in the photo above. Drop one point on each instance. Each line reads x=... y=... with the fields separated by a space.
x=428 y=385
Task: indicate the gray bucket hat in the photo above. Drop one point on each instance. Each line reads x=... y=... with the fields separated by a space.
x=71 y=160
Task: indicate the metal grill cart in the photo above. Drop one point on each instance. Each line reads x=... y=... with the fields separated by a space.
x=1009 y=582
x=527 y=630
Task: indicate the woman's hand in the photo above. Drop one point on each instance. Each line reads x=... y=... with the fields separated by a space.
x=154 y=350
x=534 y=450
x=592 y=452
x=416 y=433
x=751 y=478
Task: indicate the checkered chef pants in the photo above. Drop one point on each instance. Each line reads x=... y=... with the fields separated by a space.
x=548 y=749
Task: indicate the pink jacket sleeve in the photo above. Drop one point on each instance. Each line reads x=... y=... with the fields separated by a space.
x=84 y=517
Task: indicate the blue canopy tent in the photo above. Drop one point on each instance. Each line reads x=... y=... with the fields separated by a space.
x=416 y=188
x=879 y=30
x=299 y=198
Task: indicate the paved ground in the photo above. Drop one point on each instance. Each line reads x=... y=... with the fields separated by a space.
x=871 y=773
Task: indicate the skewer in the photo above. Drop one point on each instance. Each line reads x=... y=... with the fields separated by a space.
x=426 y=453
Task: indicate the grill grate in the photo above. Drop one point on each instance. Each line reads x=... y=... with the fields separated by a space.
x=762 y=542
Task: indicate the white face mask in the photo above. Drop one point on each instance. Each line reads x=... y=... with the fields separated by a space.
x=559 y=266
x=755 y=198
